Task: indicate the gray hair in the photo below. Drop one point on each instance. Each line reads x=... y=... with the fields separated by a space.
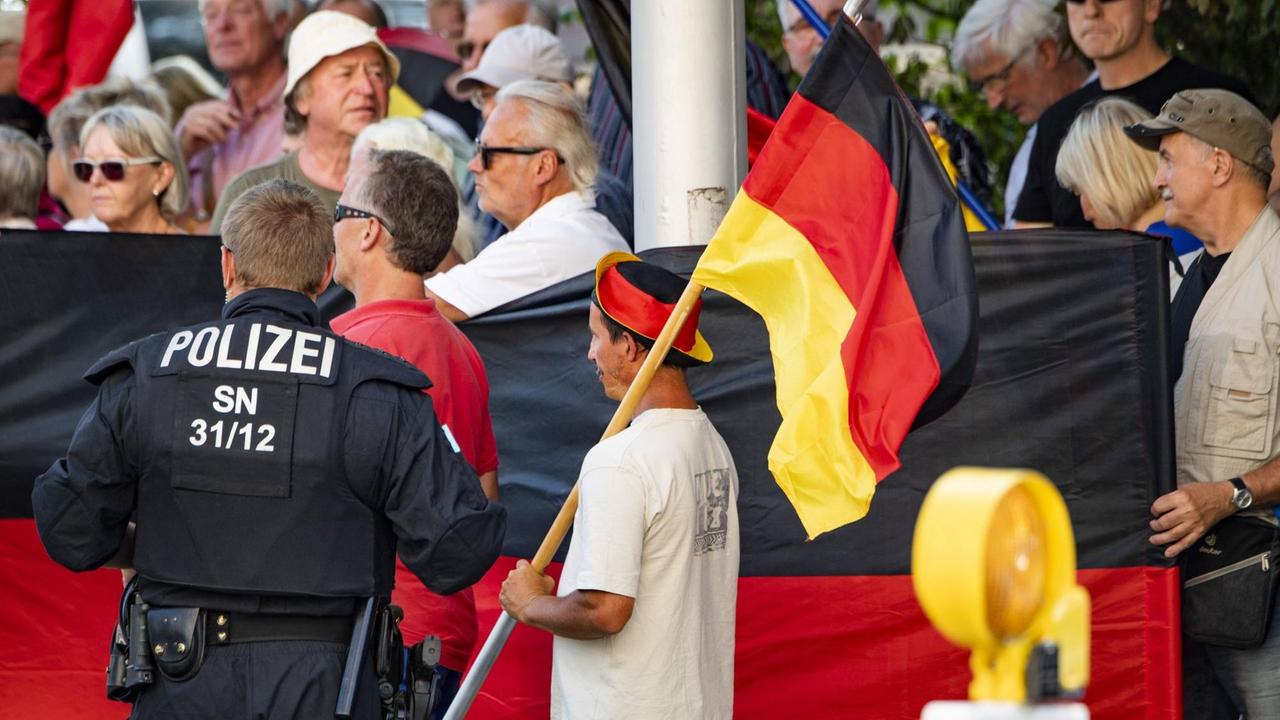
x=281 y=235
x=138 y=132
x=273 y=8
x=68 y=118
x=21 y=174
x=1250 y=172
x=555 y=120
x=402 y=133
x=1006 y=28
x=417 y=198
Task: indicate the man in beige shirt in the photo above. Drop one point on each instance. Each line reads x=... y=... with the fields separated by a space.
x=1214 y=168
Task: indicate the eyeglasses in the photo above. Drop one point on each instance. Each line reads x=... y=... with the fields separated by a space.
x=1081 y=2
x=486 y=152
x=112 y=170
x=343 y=212
x=996 y=81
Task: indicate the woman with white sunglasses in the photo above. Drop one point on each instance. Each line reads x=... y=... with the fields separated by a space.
x=135 y=172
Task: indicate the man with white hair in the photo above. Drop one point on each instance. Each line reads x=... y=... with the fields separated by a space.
x=1119 y=36
x=1214 y=169
x=534 y=167
x=340 y=75
x=222 y=138
x=529 y=52
x=1017 y=54
x=22 y=177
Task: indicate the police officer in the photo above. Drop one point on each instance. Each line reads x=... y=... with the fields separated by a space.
x=273 y=471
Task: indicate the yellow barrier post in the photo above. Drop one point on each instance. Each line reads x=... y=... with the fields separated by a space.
x=993 y=563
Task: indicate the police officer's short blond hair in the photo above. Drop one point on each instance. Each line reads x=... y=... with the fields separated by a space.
x=281 y=236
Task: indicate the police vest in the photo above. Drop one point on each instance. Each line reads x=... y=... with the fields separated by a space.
x=241 y=478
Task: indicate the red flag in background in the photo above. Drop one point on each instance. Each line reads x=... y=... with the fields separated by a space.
x=69 y=44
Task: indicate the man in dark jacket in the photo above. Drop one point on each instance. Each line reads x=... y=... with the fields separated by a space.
x=272 y=470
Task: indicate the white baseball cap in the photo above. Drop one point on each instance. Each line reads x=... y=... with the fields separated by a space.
x=326 y=33
x=523 y=52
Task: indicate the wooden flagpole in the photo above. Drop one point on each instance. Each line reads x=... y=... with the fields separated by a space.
x=564 y=520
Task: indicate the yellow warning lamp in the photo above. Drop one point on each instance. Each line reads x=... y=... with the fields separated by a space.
x=993 y=563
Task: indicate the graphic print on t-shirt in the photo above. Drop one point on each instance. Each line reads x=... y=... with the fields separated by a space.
x=712 y=489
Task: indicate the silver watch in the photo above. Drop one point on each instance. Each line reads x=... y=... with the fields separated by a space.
x=1241 y=498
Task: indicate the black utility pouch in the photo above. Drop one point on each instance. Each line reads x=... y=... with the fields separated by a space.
x=177 y=637
x=1229 y=583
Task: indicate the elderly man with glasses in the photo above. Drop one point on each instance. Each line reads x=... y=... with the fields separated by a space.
x=535 y=166
x=1119 y=36
x=1017 y=55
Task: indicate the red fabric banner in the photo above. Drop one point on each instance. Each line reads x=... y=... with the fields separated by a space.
x=812 y=647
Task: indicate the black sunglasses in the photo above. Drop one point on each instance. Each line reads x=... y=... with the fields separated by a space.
x=486 y=152
x=342 y=212
x=112 y=170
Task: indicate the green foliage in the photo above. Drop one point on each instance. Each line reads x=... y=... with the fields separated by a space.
x=1236 y=37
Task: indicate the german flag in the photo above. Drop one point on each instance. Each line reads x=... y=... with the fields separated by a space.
x=847 y=238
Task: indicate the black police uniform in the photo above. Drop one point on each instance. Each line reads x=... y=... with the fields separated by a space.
x=273 y=470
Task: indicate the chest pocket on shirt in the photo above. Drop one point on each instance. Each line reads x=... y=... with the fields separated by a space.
x=1239 y=412
x=234 y=436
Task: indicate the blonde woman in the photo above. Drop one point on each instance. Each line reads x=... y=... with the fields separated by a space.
x=135 y=172
x=410 y=134
x=1113 y=176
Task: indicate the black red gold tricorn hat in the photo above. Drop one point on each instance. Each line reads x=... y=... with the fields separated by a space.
x=640 y=297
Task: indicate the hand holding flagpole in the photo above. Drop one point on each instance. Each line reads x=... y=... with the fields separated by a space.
x=564 y=519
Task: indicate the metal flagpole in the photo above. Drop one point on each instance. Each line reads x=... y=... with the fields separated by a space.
x=564 y=520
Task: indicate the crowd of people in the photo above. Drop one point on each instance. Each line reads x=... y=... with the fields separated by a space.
x=431 y=228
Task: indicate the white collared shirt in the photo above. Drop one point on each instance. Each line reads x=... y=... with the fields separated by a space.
x=562 y=239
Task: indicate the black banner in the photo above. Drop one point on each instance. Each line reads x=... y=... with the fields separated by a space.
x=1071 y=381
x=67 y=299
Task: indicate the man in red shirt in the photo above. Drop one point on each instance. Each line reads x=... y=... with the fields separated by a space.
x=394 y=223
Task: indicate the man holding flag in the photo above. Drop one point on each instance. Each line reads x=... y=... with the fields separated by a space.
x=847 y=238
x=644 y=617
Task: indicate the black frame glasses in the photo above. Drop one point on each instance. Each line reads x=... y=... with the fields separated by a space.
x=112 y=170
x=346 y=212
x=486 y=152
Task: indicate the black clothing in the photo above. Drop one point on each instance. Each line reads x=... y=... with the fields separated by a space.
x=1042 y=198
x=275 y=680
x=1191 y=293
x=271 y=467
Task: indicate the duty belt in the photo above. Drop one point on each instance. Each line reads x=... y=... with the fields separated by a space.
x=227 y=628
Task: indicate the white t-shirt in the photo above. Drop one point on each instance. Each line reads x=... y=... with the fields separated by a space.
x=562 y=239
x=657 y=521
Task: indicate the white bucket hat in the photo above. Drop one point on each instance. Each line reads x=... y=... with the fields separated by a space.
x=523 y=52
x=326 y=33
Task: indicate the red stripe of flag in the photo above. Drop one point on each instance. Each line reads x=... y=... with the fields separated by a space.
x=832 y=186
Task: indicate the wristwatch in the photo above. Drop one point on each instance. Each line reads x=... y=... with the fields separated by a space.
x=1241 y=498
